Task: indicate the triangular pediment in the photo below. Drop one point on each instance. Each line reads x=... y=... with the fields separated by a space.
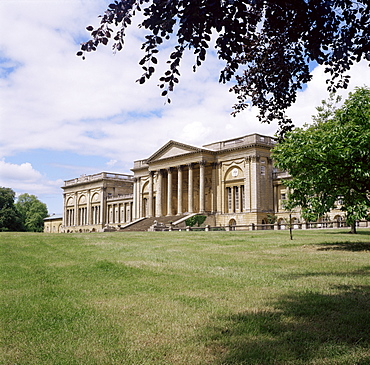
x=173 y=149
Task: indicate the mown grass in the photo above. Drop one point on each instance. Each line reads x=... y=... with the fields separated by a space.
x=186 y=298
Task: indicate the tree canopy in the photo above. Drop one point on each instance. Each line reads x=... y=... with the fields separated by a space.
x=267 y=45
x=32 y=212
x=27 y=214
x=329 y=161
x=10 y=219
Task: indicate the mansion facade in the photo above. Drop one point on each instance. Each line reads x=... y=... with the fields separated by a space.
x=232 y=182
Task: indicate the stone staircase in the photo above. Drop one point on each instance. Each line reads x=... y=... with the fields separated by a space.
x=145 y=224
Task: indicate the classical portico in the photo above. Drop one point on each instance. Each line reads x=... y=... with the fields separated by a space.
x=229 y=180
x=176 y=190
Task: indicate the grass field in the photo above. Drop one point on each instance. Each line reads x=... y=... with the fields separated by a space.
x=186 y=298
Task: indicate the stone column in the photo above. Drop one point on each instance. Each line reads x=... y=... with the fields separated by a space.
x=159 y=194
x=88 y=220
x=65 y=211
x=247 y=190
x=214 y=187
x=190 y=189
x=150 y=199
x=220 y=188
x=169 y=191
x=202 y=165
x=102 y=206
x=275 y=199
x=179 y=190
x=136 y=199
x=75 y=222
x=255 y=183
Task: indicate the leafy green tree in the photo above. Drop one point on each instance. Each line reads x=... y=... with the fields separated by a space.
x=195 y=220
x=32 y=212
x=330 y=160
x=10 y=219
x=267 y=46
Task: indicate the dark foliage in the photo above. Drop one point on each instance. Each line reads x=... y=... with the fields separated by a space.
x=10 y=218
x=267 y=45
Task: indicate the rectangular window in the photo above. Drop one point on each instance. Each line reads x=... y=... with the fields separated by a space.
x=236 y=191
x=229 y=200
x=242 y=198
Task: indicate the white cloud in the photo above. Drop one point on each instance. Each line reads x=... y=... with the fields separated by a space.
x=112 y=163
x=316 y=91
x=18 y=172
x=24 y=178
x=54 y=101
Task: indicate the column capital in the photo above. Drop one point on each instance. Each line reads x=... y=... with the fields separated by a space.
x=190 y=165
x=179 y=167
x=202 y=162
x=169 y=170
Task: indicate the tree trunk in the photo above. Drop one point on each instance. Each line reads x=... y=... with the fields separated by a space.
x=353 y=227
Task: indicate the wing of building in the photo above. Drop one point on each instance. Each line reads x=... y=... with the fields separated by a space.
x=232 y=182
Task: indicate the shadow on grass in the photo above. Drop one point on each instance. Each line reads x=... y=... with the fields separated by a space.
x=299 y=329
x=360 y=272
x=360 y=232
x=345 y=246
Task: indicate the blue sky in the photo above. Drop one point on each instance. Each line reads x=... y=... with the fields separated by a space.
x=61 y=117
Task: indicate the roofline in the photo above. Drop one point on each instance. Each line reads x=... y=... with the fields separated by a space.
x=194 y=148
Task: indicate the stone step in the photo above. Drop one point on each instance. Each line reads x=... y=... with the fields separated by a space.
x=146 y=223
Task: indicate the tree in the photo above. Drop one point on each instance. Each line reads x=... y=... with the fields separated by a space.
x=330 y=160
x=32 y=212
x=267 y=45
x=10 y=219
x=195 y=220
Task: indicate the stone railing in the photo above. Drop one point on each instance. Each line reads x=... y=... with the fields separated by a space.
x=243 y=141
x=120 y=196
x=280 y=175
x=260 y=227
x=100 y=176
x=139 y=164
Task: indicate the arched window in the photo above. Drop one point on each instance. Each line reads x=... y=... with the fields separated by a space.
x=234 y=190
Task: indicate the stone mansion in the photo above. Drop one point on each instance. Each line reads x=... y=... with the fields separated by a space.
x=232 y=182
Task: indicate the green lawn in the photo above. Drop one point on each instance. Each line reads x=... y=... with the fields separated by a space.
x=186 y=298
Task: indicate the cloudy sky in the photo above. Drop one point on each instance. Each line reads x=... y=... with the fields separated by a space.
x=61 y=117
